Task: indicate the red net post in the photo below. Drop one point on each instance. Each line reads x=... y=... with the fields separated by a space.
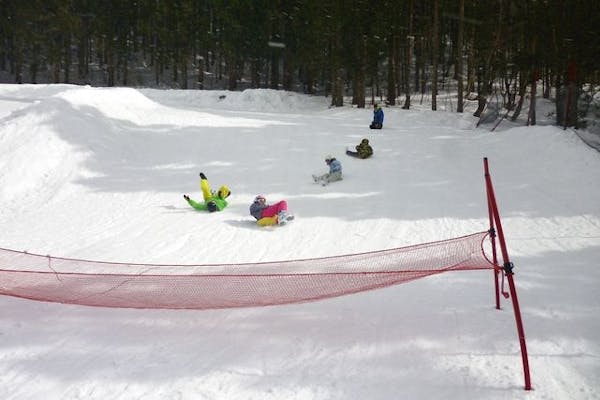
x=508 y=271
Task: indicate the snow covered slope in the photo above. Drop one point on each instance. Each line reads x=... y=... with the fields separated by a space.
x=100 y=173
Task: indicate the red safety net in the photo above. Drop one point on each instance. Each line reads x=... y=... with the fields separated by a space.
x=108 y=284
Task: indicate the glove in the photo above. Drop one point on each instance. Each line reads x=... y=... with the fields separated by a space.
x=202 y=176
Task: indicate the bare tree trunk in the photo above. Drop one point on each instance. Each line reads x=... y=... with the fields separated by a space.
x=337 y=73
x=482 y=91
x=175 y=76
x=471 y=66
x=485 y=73
x=391 y=75
x=125 y=70
x=358 y=92
x=435 y=42
x=56 y=70
x=67 y=49
x=570 y=117
x=337 y=95
x=407 y=69
x=232 y=74
x=459 y=57
x=410 y=43
x=547 y=82
x=531 y=116
x=274 y=70
x=184 y=74
x=200 y=73
x=522 y=89
x=288 y=71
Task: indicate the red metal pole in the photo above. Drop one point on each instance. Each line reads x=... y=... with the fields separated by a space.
x=508 y=266
x=492 y=236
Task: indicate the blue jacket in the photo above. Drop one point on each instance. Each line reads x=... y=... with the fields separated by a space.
x=335 y=166
x=378 y=115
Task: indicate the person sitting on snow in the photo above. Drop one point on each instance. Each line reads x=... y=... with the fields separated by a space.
x=212 y=201
x=377 y=117
x=363 y=150
x=267 y=215
x=334 y=174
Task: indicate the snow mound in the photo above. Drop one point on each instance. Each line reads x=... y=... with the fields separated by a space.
x=33 y=155
x=133 y=106
x=254 y=100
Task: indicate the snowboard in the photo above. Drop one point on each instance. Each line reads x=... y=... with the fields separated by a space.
x=352 y=154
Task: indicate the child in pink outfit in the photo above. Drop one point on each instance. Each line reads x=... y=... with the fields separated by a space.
x=274 y=209
x=272 y=214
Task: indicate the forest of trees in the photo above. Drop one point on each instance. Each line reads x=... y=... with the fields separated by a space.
x=389 y=49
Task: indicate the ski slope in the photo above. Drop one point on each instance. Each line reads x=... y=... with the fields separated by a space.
x=99 y=173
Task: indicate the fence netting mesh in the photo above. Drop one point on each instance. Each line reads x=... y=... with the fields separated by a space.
x=108 y=284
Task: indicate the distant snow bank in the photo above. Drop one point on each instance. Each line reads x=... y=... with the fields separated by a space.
x=255 y=100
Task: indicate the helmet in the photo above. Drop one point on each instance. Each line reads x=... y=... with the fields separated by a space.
x=224 y=192
x=259 y=198
x=211 y=206
x=328 y=157
x=365 y=141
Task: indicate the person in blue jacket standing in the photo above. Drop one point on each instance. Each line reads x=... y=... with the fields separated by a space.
x=377 y=117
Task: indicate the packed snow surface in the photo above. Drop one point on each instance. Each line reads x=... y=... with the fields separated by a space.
x=99 y=173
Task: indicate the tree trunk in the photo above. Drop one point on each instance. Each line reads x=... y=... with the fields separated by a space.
x=200 y=73
x=435 y=43
x=570 y=101
x=337 y=95
x=522 y=90
x=410 y=43
x=459 y=57
x=391 y=73
x=274 y=70
x=184 y=74
x=531 y=117
x=471 y=63
x=358 y=96
x=232 y=75
x=358 y=92
x=407 y=70
x=482 y=92
x=288 y=71
x=67 y=49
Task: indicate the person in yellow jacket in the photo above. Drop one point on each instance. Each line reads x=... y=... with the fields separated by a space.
x=213 y=201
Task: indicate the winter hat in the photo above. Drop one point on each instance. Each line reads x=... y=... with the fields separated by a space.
x=224 y=192
x=365 y=141
x=259 y=198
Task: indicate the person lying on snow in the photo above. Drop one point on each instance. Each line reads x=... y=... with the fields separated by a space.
x=212 y=201
x=377 y=117
x=363 y=150
x=267 y=215
x=334 y=174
